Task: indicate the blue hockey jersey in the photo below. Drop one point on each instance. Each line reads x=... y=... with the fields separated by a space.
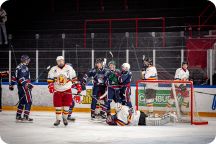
x=21 y=76
x=98 y=76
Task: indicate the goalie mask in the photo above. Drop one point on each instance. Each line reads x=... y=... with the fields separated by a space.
x=125 y=67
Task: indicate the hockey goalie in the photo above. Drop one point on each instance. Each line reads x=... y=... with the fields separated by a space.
x=60 y=81
x=180 y=90
x=122 y=117
x=149 y=72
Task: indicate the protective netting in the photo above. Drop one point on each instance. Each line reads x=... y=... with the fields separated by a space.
x=168 y=96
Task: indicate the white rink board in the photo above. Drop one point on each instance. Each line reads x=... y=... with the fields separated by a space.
x=42 y=97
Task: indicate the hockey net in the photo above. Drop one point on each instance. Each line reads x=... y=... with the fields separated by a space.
x=170 y=97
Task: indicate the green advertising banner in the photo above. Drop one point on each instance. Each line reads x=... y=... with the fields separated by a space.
x=162 y=97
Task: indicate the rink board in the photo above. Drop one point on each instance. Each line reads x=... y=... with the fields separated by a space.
x=43 y=100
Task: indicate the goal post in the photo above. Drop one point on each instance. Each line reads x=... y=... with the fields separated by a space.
x=171 y=96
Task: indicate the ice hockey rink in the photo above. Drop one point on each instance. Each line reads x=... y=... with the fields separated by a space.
x=84 y=131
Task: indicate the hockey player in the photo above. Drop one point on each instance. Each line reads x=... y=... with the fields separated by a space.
x=22 y=78
x=112 y=83
x=182 y=74
x=124 y=81
x=3 y=74
x=60 y=81
x=76 y=98
x=74 y=81
x=122 y=117
x=149 y=72
x=99 y=87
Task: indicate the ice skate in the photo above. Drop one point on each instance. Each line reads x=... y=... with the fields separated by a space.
x=57 y=123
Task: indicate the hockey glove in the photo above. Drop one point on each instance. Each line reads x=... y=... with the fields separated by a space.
x=78 y=98
x=83 y=85
x=79 y=88
x=28 y=86
x=11 y=87
x=51 y=87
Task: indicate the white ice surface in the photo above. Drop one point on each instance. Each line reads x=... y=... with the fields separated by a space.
x=85 y=131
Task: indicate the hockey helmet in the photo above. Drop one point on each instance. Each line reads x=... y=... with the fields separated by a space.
x=59 y=58
x=184 y=62
x=148 y=61
x=112 y=62
x=25 y=58
x=126 y=66
x=99 y=60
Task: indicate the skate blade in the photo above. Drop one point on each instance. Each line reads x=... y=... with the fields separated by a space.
x=22 y=121
x=96 y=120
x=71 y=120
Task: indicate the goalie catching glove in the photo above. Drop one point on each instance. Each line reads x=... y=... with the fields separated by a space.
x=182 y=87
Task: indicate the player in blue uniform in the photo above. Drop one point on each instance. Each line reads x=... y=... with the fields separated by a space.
x=124 y=80
x=99 y=87
x=22 y=78
x=70 y=117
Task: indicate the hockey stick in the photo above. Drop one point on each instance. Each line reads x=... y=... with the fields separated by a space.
x=104 y=95
x=176 y=102
x=204 y=93
x=19 y=101
x=77 y=59
x=111 y=54
x=214 y=103
x=12 y=48
x=74 y=94
x=47 y=68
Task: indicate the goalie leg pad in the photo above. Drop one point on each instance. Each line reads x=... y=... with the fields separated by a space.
x=151 y=121
x=170 y=102
x=150 y=106
x=150 y=93
x=185 y=105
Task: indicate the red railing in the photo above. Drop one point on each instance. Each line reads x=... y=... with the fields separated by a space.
x=125 y=19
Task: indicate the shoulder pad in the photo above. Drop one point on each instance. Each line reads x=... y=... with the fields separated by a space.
x=106 y=69
x=93 y=70
x=117 y=70
x=130 y=72
x=19 y=66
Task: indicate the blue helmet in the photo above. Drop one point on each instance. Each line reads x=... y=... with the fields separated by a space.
x=25 y=58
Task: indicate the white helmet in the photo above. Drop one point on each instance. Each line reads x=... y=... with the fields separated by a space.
x=59 y=58
x=126 y=66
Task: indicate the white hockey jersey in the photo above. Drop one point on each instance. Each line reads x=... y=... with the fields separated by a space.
x=62 y=77
x=124 y=119
x=151 y=74
x=181 y=74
